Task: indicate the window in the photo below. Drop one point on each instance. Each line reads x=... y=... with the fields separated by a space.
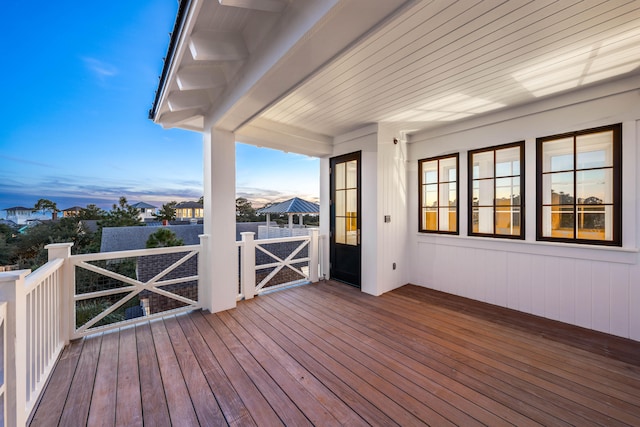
x=438 y=181
x=579 y=187
x=496 y=182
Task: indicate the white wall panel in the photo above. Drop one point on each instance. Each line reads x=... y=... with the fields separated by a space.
x=584 y=293
x=590 y=286
x=620 y=299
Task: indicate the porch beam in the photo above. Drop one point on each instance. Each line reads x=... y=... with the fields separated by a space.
x=263 y=5
x=265 y=133
x=188 y=100
x=217 y=46
x=194 y=78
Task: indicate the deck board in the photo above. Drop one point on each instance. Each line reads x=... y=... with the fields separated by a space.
x=327 y=354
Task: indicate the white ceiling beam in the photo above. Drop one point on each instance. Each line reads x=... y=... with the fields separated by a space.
x=265 y=133
x=188 y=100
x=195 y=78
x=175 y=118
x=264 y=5
x=217 y=46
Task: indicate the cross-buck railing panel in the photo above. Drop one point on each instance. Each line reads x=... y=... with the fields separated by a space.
x=269 y=264
x=117 y=288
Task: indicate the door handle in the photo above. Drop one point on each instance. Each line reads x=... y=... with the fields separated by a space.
x=358 y=236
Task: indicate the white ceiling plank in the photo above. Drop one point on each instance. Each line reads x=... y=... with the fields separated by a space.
x=194 y=78
x=206 y=45
x=263 y=5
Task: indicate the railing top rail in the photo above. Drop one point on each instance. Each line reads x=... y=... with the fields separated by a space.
x=42 y=272
x=133 y=253
x=282 y=240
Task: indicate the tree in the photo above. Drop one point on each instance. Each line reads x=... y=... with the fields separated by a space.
x=121 y=215
x=167 y=212
x=163 y=238
x=7 y=244
x=244 y=211
x=45 y=205
x=91 y=212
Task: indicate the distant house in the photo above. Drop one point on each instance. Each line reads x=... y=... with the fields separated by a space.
x=146 y=211
x=19 y=214
x=189 y=210
x=72 y=211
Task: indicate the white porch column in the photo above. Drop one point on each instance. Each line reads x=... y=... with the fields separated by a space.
x=221 y=263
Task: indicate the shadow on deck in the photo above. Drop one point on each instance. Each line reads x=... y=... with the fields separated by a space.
x=326 y=354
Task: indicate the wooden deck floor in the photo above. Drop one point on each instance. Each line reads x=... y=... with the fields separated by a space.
x=326 y=354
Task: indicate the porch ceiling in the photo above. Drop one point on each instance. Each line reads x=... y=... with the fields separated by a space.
x=296 y=76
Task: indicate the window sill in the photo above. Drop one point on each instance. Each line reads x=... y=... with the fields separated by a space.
x=564 y=250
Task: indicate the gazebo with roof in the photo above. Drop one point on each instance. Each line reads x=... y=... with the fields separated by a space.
x=294 y=206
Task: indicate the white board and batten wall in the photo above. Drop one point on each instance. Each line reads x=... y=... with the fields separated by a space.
x=591 y=286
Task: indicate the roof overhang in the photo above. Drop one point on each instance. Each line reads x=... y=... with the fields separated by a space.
x=295 y=75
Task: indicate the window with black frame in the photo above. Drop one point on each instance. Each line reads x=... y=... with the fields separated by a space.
x=579 y=178
x=496 y=183
x=438 y=197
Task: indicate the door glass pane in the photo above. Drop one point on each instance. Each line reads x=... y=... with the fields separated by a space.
x=340 y=203
x=557 y=155
x=508 y=162
x=452 y=194
x=340 y=176
x=352 y=230
x=444 y=194
x=352 y=174
x=594 y=186
x=341 y=236
x=594 y=150
x=483 y=165
x=352 y=202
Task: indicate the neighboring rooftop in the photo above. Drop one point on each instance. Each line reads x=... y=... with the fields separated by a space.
x=18 y=208
x=183 y=205
x=129 y=238
x=295 y=206
x=143 y=205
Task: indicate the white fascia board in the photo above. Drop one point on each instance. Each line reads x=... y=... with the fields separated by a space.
x=181 y=47
x=315 y=33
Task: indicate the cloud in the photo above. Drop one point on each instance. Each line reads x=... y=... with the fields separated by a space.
x=24 y=161
x=100 y=68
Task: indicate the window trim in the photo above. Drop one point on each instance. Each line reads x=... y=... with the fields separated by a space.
x=421 y=226
x=470 y=232
x=617 y=186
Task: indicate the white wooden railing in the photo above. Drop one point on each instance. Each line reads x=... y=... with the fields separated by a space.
x=32 y=336
x=129 y=287
x=38 y=310
x=264 y=263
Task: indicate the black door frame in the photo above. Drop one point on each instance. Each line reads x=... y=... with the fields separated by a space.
x=341 y=252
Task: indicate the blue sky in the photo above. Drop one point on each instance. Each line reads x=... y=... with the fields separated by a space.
x=79 y=79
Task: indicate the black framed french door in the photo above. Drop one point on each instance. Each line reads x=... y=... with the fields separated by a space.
x=345 y=250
